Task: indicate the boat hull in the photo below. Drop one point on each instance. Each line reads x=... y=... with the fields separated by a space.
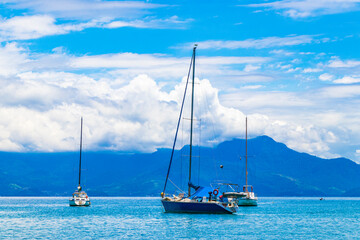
x=196 y=207
x=79 y=203
x=246 y=202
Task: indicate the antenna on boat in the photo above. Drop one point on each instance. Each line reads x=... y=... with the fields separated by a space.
x=192 y=116
x=80 y=153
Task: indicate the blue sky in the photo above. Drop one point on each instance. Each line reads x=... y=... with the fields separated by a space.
x=293 y=67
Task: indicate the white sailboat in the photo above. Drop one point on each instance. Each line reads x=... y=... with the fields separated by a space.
x=79 y=197
x=247 y=197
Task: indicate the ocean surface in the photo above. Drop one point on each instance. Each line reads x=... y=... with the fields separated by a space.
x=143 y=218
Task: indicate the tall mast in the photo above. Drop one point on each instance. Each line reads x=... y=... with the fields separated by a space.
x=192 y=116
x=80 y=149
x=246 y=157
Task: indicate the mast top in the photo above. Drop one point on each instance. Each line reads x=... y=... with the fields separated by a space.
x=195 y=45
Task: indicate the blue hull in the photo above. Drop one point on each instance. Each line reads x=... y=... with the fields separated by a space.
x=195 y=207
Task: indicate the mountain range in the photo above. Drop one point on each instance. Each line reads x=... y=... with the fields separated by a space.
x=273 y=170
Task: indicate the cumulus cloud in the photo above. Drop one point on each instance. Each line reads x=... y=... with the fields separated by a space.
x=136 y=116
x=308 y=8
x=308 y=109
x=49 y=92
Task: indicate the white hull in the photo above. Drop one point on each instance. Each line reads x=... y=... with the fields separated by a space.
x=79 y=199
x=246 y=202
x=242 y=198
x=79 y=202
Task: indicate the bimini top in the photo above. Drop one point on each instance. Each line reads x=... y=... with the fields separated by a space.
x=202 y=192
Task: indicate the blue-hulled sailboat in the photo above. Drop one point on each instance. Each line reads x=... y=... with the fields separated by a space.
x=79 y=197
x=204 y=199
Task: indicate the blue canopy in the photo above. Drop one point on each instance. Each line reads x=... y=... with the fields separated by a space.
x=202 y=192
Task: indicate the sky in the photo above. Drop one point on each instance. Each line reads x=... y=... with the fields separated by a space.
x=292 y=67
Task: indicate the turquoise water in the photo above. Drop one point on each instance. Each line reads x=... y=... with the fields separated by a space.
x=143 y=218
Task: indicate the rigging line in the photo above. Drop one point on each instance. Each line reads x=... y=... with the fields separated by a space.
x=177 y=128
x=176 y=186
x=181 y=155
x=213 y=133
x=199 y=154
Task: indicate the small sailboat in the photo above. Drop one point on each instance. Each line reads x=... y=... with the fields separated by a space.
x=79 y=197
x=246 y=197
x=204 y=199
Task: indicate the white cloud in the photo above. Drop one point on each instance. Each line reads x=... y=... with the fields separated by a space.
x=28 y=27
x=290 y=70
x=254 y=43
x=312 y=70
x=84 y=9
x=172 y=22
x=337 y=92
x=306 y=138
x=12 y=59
x=37 y=26
x=348 y=80
x=252 y=87
x=310 y=110
x=163 y=66
x=337 y=63
x=137 y=113
x=251 y=68
x=326 y=77
x=128 y=65
x=310 y=8
x=264 y=99
x=282 y=52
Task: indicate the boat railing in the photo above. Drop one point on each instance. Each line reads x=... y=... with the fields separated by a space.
x=246 y=188
x=226 y=187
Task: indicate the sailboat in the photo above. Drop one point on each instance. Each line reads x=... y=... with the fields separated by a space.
x=79 y=197
x=246 y=197
x=203 y=199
